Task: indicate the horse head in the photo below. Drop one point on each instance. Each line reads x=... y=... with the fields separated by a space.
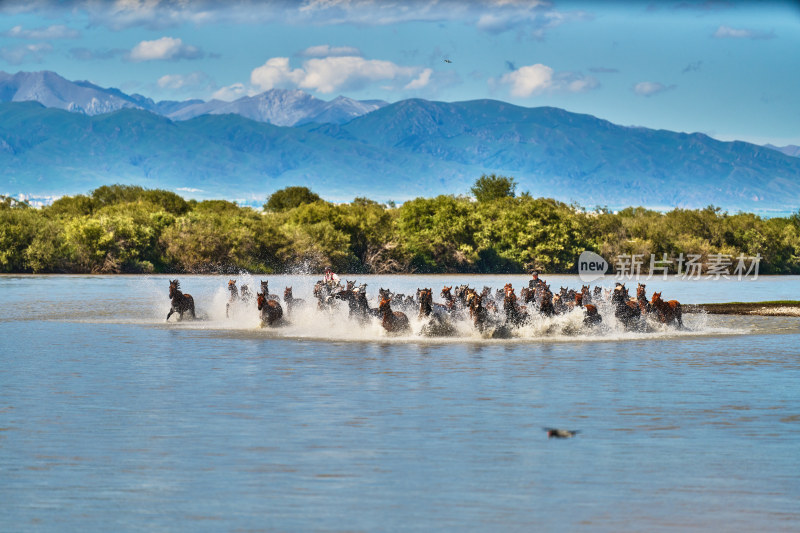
x=656 y=298
x=287 y=293
x=265 y=286
x=174 y=287
x=261 y=300
x=640 y=291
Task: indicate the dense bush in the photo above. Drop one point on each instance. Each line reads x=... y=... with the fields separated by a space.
x=130 y=229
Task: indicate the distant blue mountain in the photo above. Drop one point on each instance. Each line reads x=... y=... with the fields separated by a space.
x=276 y=106
x=400 y=151
x=789 y=149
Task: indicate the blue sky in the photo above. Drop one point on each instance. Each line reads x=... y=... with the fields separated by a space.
x=727 y=69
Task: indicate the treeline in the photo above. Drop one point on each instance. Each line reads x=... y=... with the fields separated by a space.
x=128 y=229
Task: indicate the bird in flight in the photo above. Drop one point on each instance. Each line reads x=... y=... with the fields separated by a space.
x=447 y=61
x=560 y=433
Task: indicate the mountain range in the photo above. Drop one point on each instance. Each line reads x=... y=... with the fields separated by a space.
x=276 y=106
x=394 y=151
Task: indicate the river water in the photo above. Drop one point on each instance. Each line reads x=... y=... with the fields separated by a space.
x=112 y=419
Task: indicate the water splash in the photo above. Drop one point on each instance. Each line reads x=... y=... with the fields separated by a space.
x=335 y=324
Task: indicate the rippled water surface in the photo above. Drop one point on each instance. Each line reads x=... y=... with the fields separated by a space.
x=113 y=420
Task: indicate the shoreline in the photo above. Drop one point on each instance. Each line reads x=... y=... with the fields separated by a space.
x=777 y=308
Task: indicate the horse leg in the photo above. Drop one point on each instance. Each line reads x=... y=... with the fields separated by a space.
x=171 y=310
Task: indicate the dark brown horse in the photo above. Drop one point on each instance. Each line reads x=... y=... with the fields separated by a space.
x=641 y=299
x=437 y=323
x=477 y=312
x=546 y=307
x=587 y=295
x=668 y=312
x=448 y=297
x=392 y=321
x=515 y=314
x=271 y=311
x=625 y=310
x=181 y=303
x=592 y=316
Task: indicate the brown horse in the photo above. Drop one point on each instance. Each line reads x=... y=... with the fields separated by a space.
x=271 y=311
x=180 y=302
x=668 y=312
x=392 y=321
x=437 y=324
x=515 y=314
x=592 y=316
x=641 y=299
x=587 y=295
x=546 y=307
x=625 y=310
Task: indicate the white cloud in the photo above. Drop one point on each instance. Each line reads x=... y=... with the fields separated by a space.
x=182 y=82
x=534 y=16
x=334 y=73
x=420 y=81
x=726 y=32
x=165 y=48
x=330 y=74
x=275 y=73
x=650 y=88
x=56 y=31
x=529 y=80
x=28 y=53
x=326 y=50
x=534 y=79
x=233 y=92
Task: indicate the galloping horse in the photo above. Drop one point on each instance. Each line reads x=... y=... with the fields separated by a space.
x=477 y=312
x=625 y=310
x=587 y=295
x=244 y=293
x=668 y=312
x=641 y=299
x=265 y=291
x=515 y=315
x=438 y=325
x=271 y=311
x=392 y=321
x=448 y=297
x=233 y=298
x=356 y=299
x=546 y=307
x=180 y=302
x=291 y=301
x=592 y=316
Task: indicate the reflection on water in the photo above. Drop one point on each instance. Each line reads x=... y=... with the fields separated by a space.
x=111 y=419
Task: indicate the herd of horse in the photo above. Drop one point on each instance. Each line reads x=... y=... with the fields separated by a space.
x=494 y=314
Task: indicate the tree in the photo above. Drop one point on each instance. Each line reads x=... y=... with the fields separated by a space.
x=493 y=187
x=289 y=198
